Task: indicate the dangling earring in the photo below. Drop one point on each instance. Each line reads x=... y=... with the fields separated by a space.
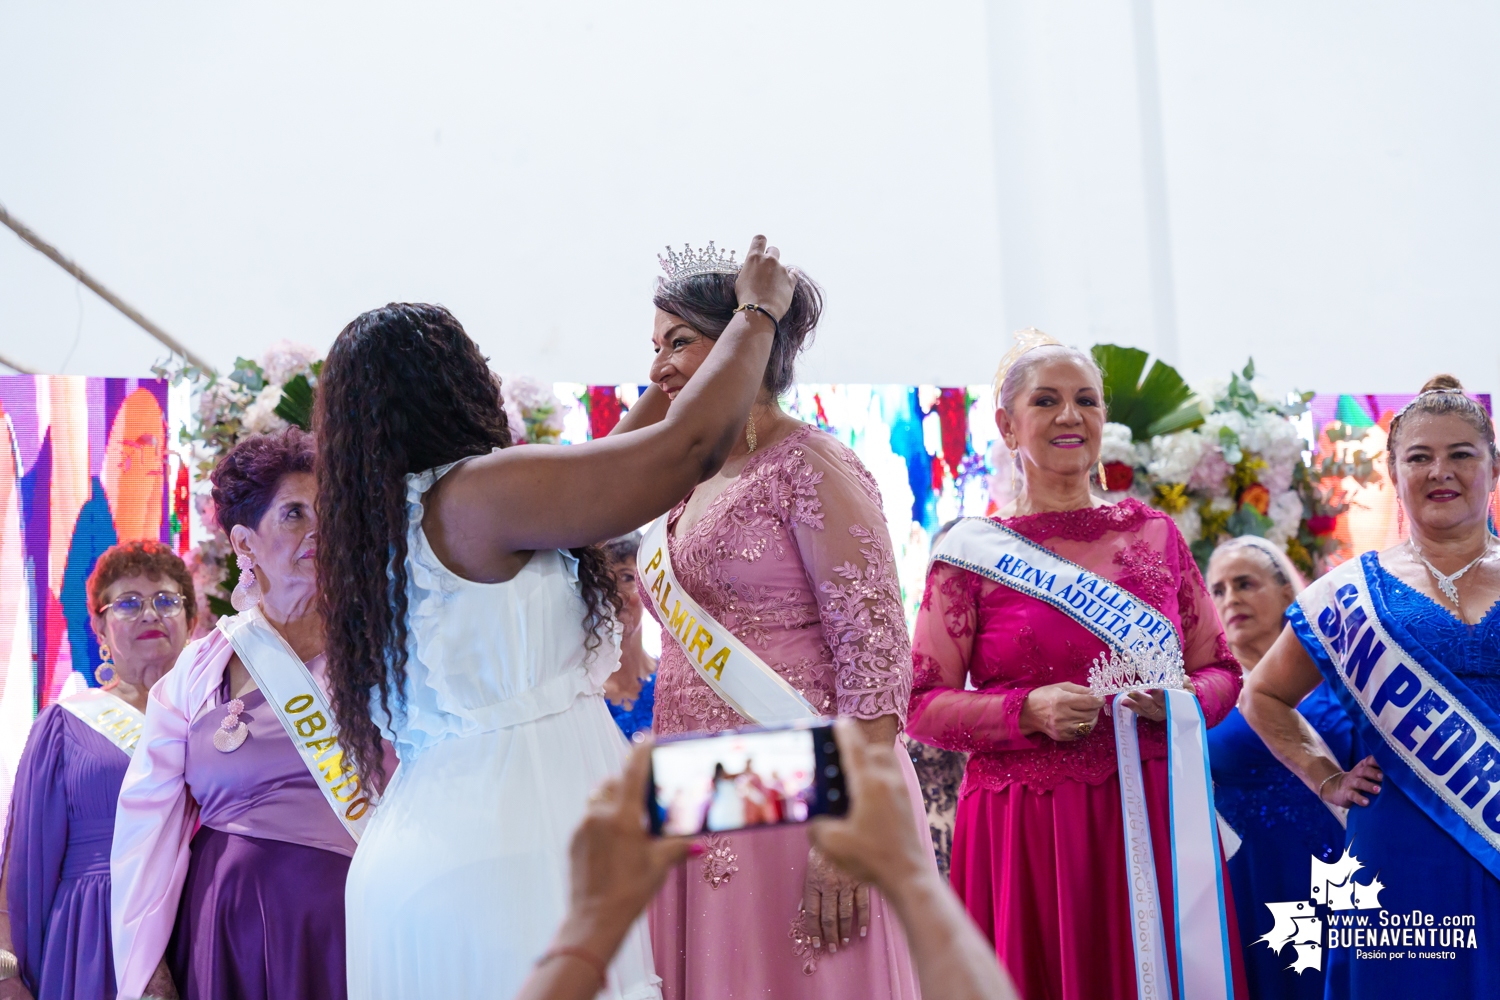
x=105 y=674
x=1015 y=477
x=750 y=433
x=1102 y=484
x=247 y=591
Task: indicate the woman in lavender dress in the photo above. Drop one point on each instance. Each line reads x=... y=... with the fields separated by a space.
x=251 y=905
x=62 y=816
x=788 y=548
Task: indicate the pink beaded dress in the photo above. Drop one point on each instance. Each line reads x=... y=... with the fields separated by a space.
x=795 y=559
x=1038 y=855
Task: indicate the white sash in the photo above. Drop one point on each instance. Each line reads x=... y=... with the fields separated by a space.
x=304 y=713
x=745 y=681
x=1127 y=624
x=109 y=715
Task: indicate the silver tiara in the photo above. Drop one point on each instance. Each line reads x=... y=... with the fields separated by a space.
x=1120 y=671
x=693 y=262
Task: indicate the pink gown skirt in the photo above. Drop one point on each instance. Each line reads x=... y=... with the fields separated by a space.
x=1043 y=875
x=741 y=939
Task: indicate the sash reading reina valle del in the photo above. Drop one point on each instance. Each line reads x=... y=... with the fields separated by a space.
x=1146 y=653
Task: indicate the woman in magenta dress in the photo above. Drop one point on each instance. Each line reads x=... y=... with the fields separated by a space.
x=788 y=548
x=1038 y=854
x=62 y=815
x=227 y=861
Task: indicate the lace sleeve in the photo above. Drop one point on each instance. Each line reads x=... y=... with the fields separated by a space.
x=943 y=714
x=851 y=568
x=1214 y=672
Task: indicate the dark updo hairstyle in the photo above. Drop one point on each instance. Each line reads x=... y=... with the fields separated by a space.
x=247 y=478
x=706 y=302
x=1442 y=395
x=142 y=557
x=404 y=390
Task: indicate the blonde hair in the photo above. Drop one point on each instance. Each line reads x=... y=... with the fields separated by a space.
x=1019 y=360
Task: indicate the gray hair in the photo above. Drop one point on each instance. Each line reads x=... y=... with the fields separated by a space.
x=1282 y=568
x=1016 y=367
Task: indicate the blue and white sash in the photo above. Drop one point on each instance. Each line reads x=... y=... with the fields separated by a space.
x=1133 y=629
x=1430 y=734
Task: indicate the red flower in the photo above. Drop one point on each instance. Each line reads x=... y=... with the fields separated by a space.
x=1256 y=496
x=1118 y=476
x=1322 y=524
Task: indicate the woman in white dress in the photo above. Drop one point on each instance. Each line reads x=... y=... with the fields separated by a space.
x=460 y=625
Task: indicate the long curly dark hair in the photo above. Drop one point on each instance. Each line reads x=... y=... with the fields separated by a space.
x=404 y=390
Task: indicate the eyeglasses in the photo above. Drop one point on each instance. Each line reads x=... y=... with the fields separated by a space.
x=129 y=608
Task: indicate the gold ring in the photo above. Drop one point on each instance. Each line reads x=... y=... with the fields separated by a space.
x=1083 y=729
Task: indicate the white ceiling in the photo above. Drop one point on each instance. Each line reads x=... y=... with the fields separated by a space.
x=1311 y=184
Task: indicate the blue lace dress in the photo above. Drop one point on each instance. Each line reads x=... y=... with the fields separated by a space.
x=1421 y=866
x=1281 y=824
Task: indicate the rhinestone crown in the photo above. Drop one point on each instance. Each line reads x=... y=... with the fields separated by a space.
x=1120 y=671
x=693 y=262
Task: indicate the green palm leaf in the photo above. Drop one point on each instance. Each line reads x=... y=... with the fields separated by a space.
x=1159 y=403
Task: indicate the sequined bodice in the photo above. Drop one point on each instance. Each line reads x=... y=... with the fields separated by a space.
x=795 y=559
x=1471 y=652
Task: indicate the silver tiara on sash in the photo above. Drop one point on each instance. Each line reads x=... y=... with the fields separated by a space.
x=692 y=262
x=1145 y=669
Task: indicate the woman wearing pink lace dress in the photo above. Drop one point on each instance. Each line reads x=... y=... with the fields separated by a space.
x=788 y=548
x=1038 y=854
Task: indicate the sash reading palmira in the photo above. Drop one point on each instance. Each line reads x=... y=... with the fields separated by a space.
x=745 y=681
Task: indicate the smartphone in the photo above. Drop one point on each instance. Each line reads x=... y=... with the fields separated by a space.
x=745 y=778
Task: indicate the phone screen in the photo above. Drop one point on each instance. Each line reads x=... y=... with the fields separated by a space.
x=745 y=778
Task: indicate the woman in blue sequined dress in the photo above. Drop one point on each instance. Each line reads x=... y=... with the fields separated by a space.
x=1409 y=641
x=630 y=691
x=1279 y=820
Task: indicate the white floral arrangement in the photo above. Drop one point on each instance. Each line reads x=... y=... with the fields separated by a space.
x=535 y=414
x=1237 y=466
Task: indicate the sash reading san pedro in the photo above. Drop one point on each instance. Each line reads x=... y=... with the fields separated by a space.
x=1128 y=625
x=1430 y=734
x=304 y=713
x=745 y=681
x=109 y=715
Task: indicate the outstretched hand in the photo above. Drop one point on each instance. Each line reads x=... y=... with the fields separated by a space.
x=764 y=280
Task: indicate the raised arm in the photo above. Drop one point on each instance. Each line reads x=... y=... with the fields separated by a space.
x=521 y=499
x=651 y=408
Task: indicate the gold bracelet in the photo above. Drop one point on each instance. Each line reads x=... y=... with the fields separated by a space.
x=1325 y=781
x=10 y=966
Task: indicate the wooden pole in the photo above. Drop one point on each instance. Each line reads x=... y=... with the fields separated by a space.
x=55 y=255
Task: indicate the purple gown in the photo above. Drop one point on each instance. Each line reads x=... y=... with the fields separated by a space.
x=62 y=818
x=262 y=910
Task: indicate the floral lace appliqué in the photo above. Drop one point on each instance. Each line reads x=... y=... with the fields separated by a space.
x=720 y=863
x=1144 y=572
x=802 y=945
x=866 y=629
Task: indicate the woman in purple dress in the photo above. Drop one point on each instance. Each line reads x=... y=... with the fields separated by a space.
x=62 y=816
x=251 y=905
x=787 y=547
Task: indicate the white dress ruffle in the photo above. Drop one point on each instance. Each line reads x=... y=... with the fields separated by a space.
x=461 y=877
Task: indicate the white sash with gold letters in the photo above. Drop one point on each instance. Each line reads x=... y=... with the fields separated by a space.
x=109 y=715
x=745 y=681
x=304 y=712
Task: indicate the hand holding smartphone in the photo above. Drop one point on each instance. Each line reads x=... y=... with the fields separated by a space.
x=745 y=778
